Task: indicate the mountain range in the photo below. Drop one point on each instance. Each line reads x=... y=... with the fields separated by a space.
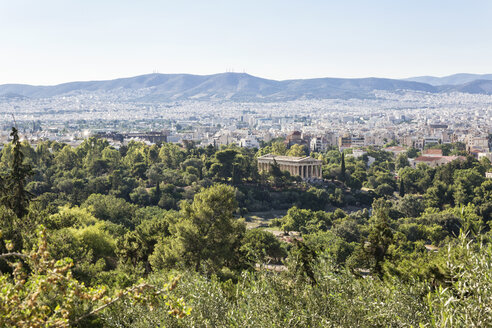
x=245 y=87
x=455 y=79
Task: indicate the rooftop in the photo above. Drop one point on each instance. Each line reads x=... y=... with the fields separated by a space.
x=437 y=158
x=428 y=158
x=288 y=158
x=437 y=152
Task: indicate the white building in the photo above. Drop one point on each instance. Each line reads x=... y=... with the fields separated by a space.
x=249 y=142
x=318 y=144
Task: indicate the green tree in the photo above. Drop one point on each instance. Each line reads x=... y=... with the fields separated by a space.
x=410 y=205
x=207 y=238
x=14 y=194
x=401 y=188
x=230 y=164
x=260 y=246
x=401 y=161
x=380 y=235
x=276 y=148
x=439 y=194
x=297 y=151
x=466 y=181
x=412 y=152
x=342 y=168
x=110 y=208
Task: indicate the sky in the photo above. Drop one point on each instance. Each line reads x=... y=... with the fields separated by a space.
x=53 y=41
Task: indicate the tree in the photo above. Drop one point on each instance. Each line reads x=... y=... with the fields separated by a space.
x=137 y=245
x=342 y=167
x=384 y=190
x=110 y=208
x=304 y=259
x=297 y=151
x=439 y=194
x=402 y=188
x=277 y=174
x=260 y=245
x=296 y=219
x=207 y=238
x=171 y=155
x=466 y=181
x=230 y=163
x=15 y=195
x=276 y=148
x=380 y=235
x=412 y=152
x=410 y=205
x=401 y=161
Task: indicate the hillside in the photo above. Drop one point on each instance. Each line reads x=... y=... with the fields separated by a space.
x=245 y=87
x=232 y=86
x=455 y=79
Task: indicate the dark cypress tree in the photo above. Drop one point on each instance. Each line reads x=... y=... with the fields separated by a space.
x=15 y=195
x=402 y=188
x=342 y=169
x=158 y=193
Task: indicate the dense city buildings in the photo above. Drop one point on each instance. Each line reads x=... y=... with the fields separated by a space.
x=407 y=119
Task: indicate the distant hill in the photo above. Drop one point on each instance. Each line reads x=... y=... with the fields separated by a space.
x=237 y=86
x=233 y=86
x=455 y=79
x=477 y=87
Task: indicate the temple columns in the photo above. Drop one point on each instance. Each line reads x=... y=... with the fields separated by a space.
x=305 y=171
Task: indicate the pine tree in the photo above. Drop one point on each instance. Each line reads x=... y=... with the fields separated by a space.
x=15 y=195
x=380 y=235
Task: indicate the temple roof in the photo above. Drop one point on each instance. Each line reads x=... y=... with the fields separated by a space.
x=291 y=159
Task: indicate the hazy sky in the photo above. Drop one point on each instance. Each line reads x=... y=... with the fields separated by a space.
x=49 y=42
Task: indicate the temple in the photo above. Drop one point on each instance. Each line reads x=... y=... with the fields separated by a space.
x=305 y=167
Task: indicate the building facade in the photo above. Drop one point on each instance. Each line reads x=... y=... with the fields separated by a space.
x=296 y=138
x=318 y=144
x=249 y=142
x=478 y=143
x=305 y=167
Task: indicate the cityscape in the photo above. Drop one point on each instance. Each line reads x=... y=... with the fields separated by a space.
x=407 y=118
x=260 y=164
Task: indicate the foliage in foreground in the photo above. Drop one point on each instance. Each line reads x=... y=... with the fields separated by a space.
x=337 y=299
x=116 y=217
x=41 y=292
